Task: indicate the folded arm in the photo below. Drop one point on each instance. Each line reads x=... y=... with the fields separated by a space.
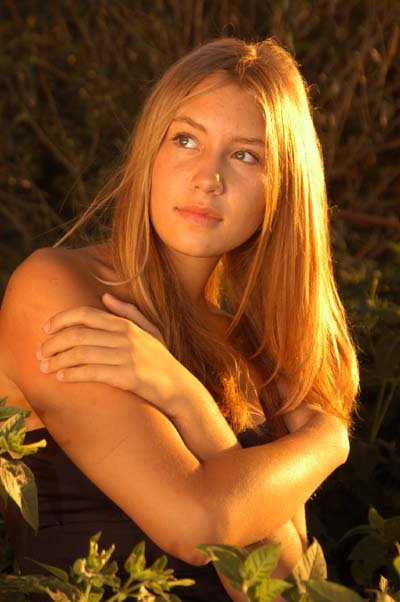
x=133 y=453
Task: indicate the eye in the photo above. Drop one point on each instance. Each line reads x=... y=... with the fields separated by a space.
x=184 y=140
x=247 y=156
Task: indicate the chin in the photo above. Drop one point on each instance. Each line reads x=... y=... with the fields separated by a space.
x=200 y=253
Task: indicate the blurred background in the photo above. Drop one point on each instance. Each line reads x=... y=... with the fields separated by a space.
x=73 y=74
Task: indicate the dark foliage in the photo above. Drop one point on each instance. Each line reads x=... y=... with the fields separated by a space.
x=74 y=74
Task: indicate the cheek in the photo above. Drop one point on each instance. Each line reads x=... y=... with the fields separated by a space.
x=160 y=186
x=169 y=178
x=252 y=221
x=254 y=207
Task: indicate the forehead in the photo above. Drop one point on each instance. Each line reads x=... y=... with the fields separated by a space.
x=220 y=100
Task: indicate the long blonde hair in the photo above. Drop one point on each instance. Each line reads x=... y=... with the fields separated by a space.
x=278 y=286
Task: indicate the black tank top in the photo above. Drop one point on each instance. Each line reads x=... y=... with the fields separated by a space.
x=72 y=508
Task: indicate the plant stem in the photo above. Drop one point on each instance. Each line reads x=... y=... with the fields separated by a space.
x=125 y=590
x=374 y=427
x=382 y=407
x=87 y=591
x=386 y=404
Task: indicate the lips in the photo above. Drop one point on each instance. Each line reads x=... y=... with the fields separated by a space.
x=206 y=212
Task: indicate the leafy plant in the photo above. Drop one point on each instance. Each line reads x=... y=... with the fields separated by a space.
x=74 y=75
x=376 y=550
x=90 y=579
x=249 y=572
x=96 y=577
x=16 y=479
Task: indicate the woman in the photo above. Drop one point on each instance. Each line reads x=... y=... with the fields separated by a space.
x=226 y=317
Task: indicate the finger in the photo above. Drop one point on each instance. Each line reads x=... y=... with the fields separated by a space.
x=85 y=315
x=84 y=355
x=94 y=373
x=129 y=311
x=74 y=336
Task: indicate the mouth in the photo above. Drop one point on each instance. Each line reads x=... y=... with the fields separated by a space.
x=203 y=216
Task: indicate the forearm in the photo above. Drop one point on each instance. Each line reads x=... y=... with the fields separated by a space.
x=268 y=483
x=201 y=425
x=207 y=433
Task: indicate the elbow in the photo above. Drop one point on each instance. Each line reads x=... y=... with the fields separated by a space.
x=342 y=444
x=336 y=438
x=195 y=529
x=192 y=556
x=346 y=450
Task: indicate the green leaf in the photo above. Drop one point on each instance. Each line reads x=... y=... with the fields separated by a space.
x=16 y=422
x=371 y=544
x=375 y=520
x=367 y=557
x=359 y=530
x=52 y=586
x=267 y=590
x=326 y=591
x=53 y=570
x=136 y=560
x=17 y=449
x=7 y=411
x=96 y=596
x=228 y=560
x=293 y=595
x=392 y=529
x=211 y=550
x=96 y=570
x=396 y=564
x=20 y=485
x=383 y=584
x=3 y=493
x=311 y=565
x=260 y=563
x=183 y=582
x=12 y=435
x=159 y=564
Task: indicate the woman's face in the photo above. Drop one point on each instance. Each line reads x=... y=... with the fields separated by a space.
x=207 y=194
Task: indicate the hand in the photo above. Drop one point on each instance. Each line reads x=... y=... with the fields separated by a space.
x=301 y=415
x=122 y=349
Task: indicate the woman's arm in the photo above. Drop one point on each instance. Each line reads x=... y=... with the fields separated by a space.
x=134 y=454
x=122 y=348
x=205 y=441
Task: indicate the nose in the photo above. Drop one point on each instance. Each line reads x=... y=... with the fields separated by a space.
x=208 y=179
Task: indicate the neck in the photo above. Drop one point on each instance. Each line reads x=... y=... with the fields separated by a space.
x=193 y=274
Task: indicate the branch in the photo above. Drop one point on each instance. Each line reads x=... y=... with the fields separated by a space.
x=366 y=219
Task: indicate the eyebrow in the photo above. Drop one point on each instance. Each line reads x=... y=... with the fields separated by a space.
x=199 y=126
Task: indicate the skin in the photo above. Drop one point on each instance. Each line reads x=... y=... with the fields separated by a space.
x=203 y=161
x=207 y=167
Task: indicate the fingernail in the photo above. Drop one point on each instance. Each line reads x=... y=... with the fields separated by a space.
x=46 y=327
x=44 y=365
x=60 y=375
x=39 y=354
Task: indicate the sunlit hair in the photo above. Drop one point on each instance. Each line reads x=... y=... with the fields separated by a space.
x=278 y=286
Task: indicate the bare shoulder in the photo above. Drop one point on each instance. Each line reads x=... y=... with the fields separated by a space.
x=108 y=433
x=48 y=281
x=45 y=269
